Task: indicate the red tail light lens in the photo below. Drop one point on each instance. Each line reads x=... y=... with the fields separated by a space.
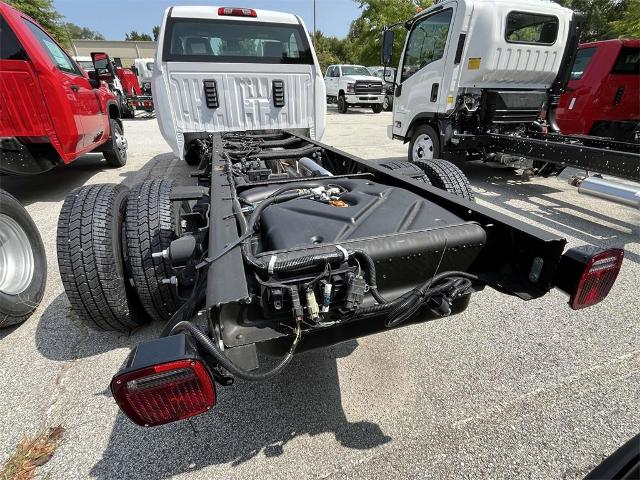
x=598 y=277
x=164 y=393
x=237 y=12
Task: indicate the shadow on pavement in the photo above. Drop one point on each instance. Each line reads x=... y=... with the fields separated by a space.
x=61 y=336
x=251 y=418
x=53 y=185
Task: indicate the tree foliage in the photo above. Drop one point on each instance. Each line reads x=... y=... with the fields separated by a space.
x=330 y=50
x=77 y=32
x=156 y=33
x=628 y=22
x=135 y=36
x=43 y=12
x=601 y=17
x=365 y=34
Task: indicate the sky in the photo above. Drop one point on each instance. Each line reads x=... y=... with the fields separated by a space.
x=113 y=18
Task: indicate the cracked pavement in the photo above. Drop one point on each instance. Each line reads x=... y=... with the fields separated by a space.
x=508 y=389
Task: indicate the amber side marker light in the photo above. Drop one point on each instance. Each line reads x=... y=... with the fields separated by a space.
x=157 y=387
x=588 y=273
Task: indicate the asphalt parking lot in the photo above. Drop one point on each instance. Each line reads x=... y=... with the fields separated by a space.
x=508 y=389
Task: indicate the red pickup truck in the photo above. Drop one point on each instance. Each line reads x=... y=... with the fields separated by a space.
x=603 y=93
x=51 y=112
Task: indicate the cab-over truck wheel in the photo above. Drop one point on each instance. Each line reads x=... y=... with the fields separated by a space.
x=424 y=144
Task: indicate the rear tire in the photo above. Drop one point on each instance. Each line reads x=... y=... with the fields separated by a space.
x=116 y=156
x=23 y=263
x=407 y=169
x=91 y=257
x=377 y=108
x=150 y=228
x=342 y=104
x=446 y=176
x=424 y=145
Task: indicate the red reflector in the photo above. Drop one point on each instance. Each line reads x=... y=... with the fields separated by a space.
x=237 y=12
x=598 y=277
x=164 y=393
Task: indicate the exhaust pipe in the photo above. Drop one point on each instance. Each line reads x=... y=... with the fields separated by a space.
x=308 y=165
x=622 y=193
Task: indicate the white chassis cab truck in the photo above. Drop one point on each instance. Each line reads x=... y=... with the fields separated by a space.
x=480 y=80
x=219 y=69
x=354 y=86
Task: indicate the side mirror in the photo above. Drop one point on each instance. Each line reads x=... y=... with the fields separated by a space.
x=102 y=66
x=387 y=47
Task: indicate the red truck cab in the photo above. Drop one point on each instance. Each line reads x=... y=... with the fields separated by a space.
x=51 y=110
x=603 y=94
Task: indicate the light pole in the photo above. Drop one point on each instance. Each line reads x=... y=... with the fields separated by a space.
x=314 y=18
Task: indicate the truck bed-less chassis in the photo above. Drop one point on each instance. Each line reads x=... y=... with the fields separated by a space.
x=287 y=244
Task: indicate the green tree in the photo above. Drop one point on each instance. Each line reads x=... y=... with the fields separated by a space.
x=156 y=33
x=600 y=16
x=77 y=32
x=135 y=36
x=365 y=34
x=43 y=12
x=628 y=23
x=330 y=50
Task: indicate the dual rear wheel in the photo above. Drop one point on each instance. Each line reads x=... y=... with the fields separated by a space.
x=106 y=237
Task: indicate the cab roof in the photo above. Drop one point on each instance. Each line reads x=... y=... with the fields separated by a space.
x=211 y=12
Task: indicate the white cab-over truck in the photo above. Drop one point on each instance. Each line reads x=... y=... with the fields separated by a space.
x=285 y=244
x=354 y=86
x=480 y=80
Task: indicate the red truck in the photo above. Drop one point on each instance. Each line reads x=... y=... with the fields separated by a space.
x=603 y=94
x=51 y=112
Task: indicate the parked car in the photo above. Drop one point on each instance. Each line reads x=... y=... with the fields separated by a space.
x=51 y=112
x=353 y=85
x=285 y=244
x=389 y=79
x=603 y=94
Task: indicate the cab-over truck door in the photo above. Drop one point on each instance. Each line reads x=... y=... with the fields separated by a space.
x=422 y=68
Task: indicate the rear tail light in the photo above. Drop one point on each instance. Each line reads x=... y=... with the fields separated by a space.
x=597 y=278
x=237 y=12
x=587 y=274
x=159 y=385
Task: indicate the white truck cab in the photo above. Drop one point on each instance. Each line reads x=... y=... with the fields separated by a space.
x=353 y=85
x=222 y=69
x=144 y=70
x=471 y=66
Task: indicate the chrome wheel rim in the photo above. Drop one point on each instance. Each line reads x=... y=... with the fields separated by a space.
x=386 y=103
x=16 y=257
x=121 y=144
x=423 y=148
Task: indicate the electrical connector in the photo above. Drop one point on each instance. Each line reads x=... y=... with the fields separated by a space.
x=326 y=297
x=312 y=306
x=355 y=292
x=296 y=306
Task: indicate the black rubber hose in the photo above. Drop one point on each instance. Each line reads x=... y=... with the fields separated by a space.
x=227 y=364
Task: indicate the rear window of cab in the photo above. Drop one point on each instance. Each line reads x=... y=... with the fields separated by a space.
x=531 y=28
x=233 y=41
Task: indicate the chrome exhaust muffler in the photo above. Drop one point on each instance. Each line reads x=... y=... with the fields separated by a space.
x=623 y=193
